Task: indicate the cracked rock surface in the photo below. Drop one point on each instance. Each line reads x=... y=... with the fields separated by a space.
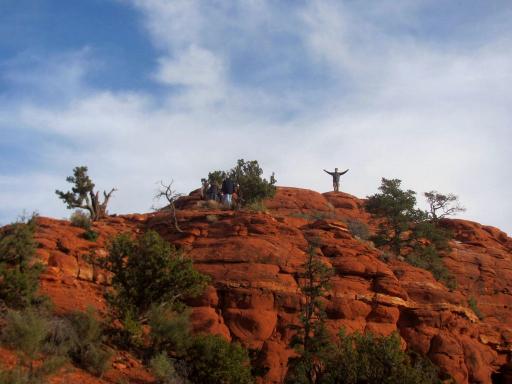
x=253 y=259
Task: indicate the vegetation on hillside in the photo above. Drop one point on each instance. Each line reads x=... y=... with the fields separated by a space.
x=42 y=340
x=19 y=273
x=371 y=359
x=411 y=232
x=150 y=284
x=346 y=359
x=152 y=281
x=312 y=342
x=148 y=271
x=397 y=207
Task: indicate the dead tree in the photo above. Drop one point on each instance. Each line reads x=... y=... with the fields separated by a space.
x=82 y=195
x=166 y=191
x=441 y=205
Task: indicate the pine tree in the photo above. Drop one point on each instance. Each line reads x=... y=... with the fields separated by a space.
x=312 y=341
x=397 y=208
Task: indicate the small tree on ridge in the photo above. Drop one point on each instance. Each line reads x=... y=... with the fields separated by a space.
x=252 y=186
x=446 y=204
x=166 y=191
x=397 y=207
x=82 y=194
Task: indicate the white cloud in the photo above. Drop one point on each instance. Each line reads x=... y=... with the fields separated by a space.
x=49 y=78
x=434 y=115
x=171 y=24
x=193 y=67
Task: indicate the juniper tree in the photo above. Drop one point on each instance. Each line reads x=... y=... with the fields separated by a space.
x=397 y=208
x=312 y=341
x=19 y=274
x=82 y=194
x=216 y=177
x=248 y=175
x=149 y=271
x=426 y=240
x=373 y=359
x=252 y=186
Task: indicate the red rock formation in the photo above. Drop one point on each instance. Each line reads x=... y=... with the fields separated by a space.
x=253 y=259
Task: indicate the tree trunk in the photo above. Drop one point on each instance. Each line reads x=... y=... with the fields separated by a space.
x=99 y=210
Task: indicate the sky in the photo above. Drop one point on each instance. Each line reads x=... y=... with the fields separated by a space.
x=147 y=90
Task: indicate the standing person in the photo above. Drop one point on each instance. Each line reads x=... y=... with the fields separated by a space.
x=336 y=178
x=228 y=188
x=213 y=191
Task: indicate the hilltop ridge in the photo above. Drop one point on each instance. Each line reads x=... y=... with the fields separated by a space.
x=253 y=257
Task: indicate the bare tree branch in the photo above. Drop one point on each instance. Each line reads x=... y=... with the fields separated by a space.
x=442 y=205
x=166 y=191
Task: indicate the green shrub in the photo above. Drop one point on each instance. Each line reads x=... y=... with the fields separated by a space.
x=149 y=271
x=51 y=341
x=252 y=187
x=132 y=334
x=211 y=359
x=90 y=235
x=87 y=349
x=370 y=359
x=437 y=236
x=95 y=360
x=28 y=333
x=169 y=330
x=19 y=275
x=358 y=229
x=18 y=375
x=199 y=358
x=17 y=244
x=474 y=307
x=427 y=257
x=216 y=177
x=312 y=341
x=405 y=225
x=397 y=208
x=60 y=337
x=18 y=287
x=162 y=368
x=80 y=219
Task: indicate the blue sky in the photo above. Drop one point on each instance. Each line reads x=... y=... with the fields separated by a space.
x=143 y=90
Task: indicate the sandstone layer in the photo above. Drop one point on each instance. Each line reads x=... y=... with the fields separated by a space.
x=253 y=259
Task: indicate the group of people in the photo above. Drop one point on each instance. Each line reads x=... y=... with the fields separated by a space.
x=223 y=193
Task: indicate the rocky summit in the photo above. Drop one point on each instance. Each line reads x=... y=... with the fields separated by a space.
x=253 y=259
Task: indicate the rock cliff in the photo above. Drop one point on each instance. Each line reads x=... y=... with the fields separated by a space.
x=253 y=259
